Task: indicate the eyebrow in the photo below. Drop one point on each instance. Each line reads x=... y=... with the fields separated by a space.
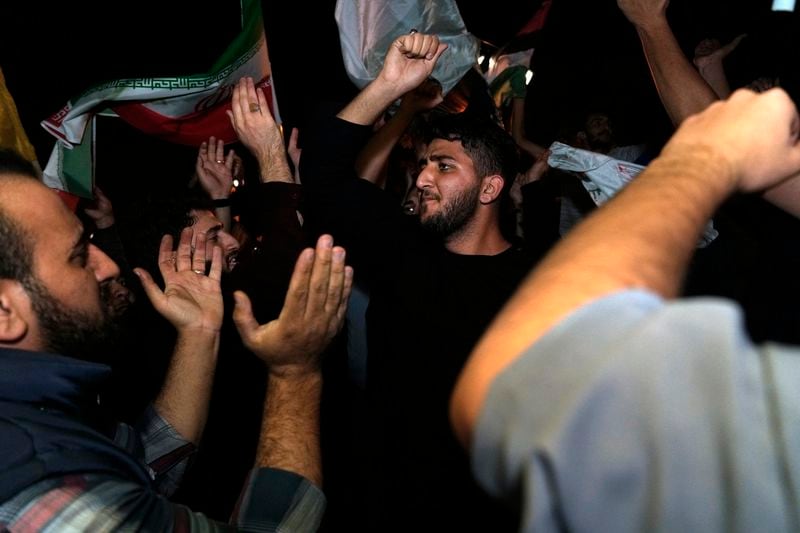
x=81 y=244
x=437 y=158
x=213 y=232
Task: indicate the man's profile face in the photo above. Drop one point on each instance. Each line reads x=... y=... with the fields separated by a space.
x=206 y=221
x=449 y=188
x=64 y=288
x=74 y=332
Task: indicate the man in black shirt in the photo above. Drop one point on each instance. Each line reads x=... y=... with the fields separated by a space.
x=434 y=287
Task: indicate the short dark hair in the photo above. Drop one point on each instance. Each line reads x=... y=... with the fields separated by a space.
x=491 y=148
x=16 y=245
x=151 y=216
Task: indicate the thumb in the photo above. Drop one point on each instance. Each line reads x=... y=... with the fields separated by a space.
x=439 y=52
x=246 y=323
x=152 y=290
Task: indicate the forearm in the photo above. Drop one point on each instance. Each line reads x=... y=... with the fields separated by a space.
x=183 y=400
x=681 y=88
x=714 y=74
x=786 y=196
x=373 y=158
x=643 y=238
x=368 y=105
x=518 y=129
x=289 y=437
x=274 y=166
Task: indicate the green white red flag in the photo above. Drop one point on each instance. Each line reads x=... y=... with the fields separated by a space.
x=182 y=109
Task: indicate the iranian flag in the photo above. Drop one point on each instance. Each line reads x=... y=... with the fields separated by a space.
x=183 y=109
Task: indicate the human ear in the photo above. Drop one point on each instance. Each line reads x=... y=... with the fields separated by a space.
x=15 y=312
x=491 y=187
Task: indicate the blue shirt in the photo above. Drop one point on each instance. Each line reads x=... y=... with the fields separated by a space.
x=635 y=414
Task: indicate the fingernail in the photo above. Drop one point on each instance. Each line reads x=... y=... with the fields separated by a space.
x=338 y=254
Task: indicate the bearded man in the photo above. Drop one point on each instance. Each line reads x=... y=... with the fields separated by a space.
x=433 y=289
x=64 y=465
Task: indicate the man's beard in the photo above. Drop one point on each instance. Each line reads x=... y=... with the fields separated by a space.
x=451 y=217
x=602 y=143
x=72 y=332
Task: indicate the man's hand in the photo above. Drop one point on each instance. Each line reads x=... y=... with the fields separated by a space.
x=215 y=170
x=710 y=51
x=754 y=135
x=643 y=13
x=295 y=152
x=256 y=128
x=101 y=212
x=410 y=60
x=191 y=300
x=538 y=169
x=312 y=314
x=763 y=84
x=424 y=97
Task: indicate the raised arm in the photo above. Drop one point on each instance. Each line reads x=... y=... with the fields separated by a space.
x=518 y=129
x=258 y=131
x=644 y=237
x=192 y=302
x=409 y=60
x=709 y=56
x=101 y=211
x=374 y=157
x=681 y=88
x=215 y=171
x=291 y=346
x=295 y=152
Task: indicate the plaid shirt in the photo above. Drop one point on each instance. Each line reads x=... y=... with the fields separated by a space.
x=272 y=500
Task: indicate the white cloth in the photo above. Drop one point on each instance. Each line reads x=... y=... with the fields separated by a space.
x=603 y=176
x=368 y=27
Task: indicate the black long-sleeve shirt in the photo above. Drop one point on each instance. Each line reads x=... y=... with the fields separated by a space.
x=428 y=308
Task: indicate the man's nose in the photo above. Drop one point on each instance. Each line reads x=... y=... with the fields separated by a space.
x=103 y=266
x=227 y=242
x=423 y=178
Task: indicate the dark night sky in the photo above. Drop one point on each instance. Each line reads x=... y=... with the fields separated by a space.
x=588 y=56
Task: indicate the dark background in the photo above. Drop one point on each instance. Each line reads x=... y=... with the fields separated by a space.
x=587 y=57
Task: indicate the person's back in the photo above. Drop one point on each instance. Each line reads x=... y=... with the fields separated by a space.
x=601 y=401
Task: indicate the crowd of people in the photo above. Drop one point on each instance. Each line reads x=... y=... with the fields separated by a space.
x=391 y=327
